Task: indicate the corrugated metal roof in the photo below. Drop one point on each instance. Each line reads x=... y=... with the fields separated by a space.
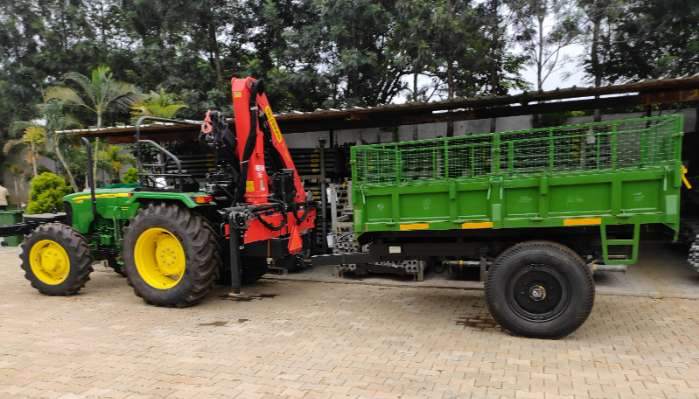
x=662 y=90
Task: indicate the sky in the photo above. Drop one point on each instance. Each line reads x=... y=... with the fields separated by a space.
x=558 y=78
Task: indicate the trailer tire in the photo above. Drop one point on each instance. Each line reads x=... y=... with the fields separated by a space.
x=540 y=289
x=56 y=259
x=179 y=271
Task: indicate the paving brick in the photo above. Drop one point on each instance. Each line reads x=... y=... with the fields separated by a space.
x=330 y=341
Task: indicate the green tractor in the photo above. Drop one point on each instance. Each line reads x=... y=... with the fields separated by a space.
x=172 y=236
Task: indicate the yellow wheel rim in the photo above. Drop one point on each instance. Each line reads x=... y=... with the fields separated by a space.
x=160 y=258
x=49 y=262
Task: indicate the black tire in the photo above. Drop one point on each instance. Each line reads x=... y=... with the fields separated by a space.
x=75 y=247
x=540 y=289
x=198 y=240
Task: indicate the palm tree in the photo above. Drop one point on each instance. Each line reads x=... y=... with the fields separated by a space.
x=97 y=94
x=160 y=104
x=16 y=148
x=56 y=119
x=39 y=136
x=35 y=137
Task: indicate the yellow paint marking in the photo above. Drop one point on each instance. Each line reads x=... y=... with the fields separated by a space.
x=582 y=221
x=477 y=225
x=273 y=124
x=249 y=186
x=107 y=195
x=414 y=226
x=237 y=94
x=684 y=178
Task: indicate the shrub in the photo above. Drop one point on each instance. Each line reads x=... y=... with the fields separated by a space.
x=130 y=176
x=46 y=193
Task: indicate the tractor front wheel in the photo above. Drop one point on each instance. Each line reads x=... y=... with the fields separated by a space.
x=56 y=259
x=170 y=255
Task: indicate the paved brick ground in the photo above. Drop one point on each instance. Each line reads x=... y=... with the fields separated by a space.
x=323 y=340
x=662 y=272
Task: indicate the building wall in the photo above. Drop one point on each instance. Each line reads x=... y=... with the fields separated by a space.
x=430 y=130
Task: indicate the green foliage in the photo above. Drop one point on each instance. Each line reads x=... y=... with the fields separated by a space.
x=34 y=137
x=98 y=93
x=52 y=111
x=358 y=46
x=315 y=53
x=113 y=159
x=130 y=176
x=650 y=39
x=160 y=104
x=46 y=193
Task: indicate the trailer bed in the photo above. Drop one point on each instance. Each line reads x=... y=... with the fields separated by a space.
x=621 y=172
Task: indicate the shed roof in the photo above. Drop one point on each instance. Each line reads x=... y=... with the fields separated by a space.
x=643 y=92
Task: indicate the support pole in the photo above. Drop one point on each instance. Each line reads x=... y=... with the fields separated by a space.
x=323 y=195
x=234 y=248
x=90 y=177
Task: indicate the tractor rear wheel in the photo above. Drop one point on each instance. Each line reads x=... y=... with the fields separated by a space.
x=56 y=259
x=540 y=289
x=170 y=255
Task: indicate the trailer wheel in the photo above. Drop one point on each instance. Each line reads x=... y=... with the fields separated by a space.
x=170 y=255
x=56 y=259
x=540 y=289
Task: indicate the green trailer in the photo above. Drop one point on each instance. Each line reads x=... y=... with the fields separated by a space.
x=539 y=207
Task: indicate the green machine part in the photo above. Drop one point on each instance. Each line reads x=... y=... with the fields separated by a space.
x=115 y=207
x=620 y=172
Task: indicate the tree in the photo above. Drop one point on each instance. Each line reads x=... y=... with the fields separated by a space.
x=46 y=193
x=160 y=104
x=457 y=46
x=502 y=66
x=56 y=119
x=18 y=176
x=113 y=159
x=597 y=20
x=414 y=34
x=34 y=137
x=130 y=176
x=98 y=94
x=15 y=147
x=650 y=39
x=545 y=27
x=354 y=45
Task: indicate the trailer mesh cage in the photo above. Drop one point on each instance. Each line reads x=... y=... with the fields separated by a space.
x=597 y=146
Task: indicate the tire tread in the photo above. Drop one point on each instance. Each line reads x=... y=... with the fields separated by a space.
x=77 y=246
x=204 y=245
x=515 y=250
